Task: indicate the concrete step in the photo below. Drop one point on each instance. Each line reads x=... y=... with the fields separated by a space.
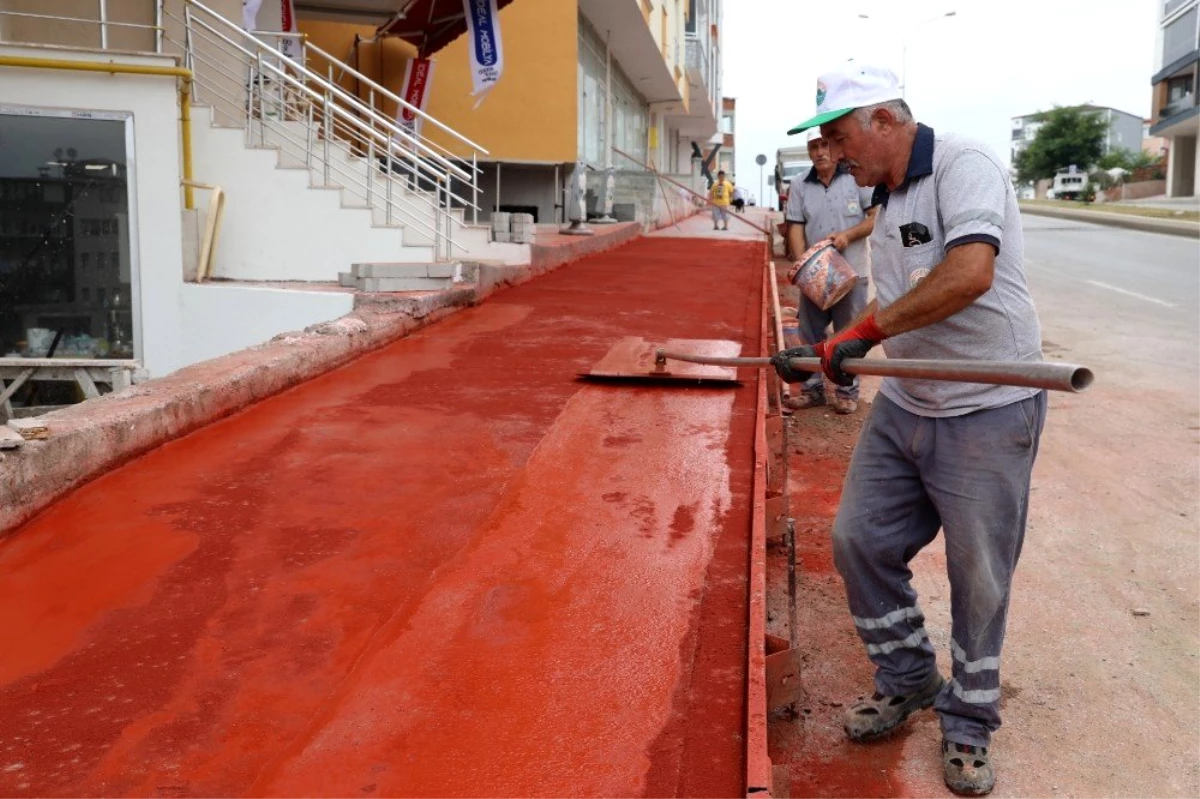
x=441 y=271
x=403 y=283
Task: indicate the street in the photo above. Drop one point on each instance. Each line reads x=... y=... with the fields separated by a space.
x=1100 y=672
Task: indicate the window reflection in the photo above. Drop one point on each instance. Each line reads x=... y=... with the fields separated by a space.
x=65 y=283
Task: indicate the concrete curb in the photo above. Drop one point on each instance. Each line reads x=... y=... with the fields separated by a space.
x=93 y=437
x=1144 y=223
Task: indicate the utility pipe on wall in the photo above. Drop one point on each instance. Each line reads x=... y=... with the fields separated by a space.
x=185 y=100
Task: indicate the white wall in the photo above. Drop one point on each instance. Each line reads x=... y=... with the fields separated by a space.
x=277 y=228
x=154 y=192
x=176 y=323
x=220 y=319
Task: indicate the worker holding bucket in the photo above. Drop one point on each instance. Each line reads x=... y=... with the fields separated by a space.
x=830 y=212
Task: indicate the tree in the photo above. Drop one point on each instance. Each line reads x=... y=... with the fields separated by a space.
x=1067 y=136
x=1127 y=160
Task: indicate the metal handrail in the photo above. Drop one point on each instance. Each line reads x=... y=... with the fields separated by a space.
x=478 y=148
x=314 y=77
x=370 y=144
x=360 y=132
x=57 y=18
x=330 y=165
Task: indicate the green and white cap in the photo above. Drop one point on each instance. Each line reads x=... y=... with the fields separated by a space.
x=850 y=87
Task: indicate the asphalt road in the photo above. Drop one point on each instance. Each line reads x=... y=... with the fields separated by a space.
x=1101 y=668
x=1149 y=277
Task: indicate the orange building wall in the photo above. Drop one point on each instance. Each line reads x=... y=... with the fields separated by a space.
x=531 y=113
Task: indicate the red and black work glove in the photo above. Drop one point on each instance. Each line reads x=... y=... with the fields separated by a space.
x=853 y=342
x=782 y=368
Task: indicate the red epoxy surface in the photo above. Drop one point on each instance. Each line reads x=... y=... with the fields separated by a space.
x=447 y=568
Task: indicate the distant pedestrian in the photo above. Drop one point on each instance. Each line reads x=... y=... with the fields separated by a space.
x=947 y=262
x=720 y=196
x=739 y=199
x=828 y=204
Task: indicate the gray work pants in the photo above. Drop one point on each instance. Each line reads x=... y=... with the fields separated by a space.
x=814 y=321
x=910 y=475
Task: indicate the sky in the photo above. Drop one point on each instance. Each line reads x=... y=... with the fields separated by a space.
x=968 y=74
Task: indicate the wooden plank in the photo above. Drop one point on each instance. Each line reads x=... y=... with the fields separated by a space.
x=101 y=374
x=7 y=393
x=70 y=363
x=85 y=382
x=120 y=379
x=29 y=429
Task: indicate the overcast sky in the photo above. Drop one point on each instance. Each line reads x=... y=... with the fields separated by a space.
x=969 y=73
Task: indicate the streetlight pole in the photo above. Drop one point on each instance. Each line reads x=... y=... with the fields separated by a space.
x=904 y=48
x=761 y=159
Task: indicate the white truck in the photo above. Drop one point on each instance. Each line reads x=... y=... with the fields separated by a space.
x=1069 y=184
x=790 y=162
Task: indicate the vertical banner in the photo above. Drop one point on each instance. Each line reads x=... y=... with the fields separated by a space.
x=288 y=45
x=250 y=14
x=415 y=92
x=487 y=53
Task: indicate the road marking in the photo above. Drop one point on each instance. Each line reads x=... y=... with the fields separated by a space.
x=1130 y=293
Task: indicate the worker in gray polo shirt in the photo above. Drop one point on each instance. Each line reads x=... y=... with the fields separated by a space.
x=828 y=204
x=946 y=258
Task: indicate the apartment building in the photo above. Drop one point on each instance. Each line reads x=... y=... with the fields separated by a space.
x=1123 y=131
x=1175 y=113
x=621 y=84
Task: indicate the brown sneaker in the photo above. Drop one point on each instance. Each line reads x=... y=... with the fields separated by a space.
x=805 y=399
x=844 y=405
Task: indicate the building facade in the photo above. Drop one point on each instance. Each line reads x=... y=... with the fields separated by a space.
x=612 y=83
x=1175 y=114
x=725 y=156
x=1123 y=131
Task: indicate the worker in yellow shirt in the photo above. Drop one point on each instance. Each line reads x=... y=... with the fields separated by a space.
x=721 y=195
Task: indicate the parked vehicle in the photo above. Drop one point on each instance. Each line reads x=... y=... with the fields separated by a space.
x=789 y=162
x=1069 y=184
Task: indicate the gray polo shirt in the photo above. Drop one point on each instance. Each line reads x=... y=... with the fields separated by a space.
x=956 y=191
x=825 y=210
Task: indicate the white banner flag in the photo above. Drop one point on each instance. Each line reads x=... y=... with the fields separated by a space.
x=487 y=53
x=414 y=91
x=250 y=14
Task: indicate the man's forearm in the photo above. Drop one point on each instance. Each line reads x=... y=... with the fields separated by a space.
x=797 y=241
x=952 y=285
x=863 y=228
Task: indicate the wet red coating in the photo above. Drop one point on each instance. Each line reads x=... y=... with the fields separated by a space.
x=359 y=586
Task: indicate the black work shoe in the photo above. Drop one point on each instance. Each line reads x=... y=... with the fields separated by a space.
x=966 y=769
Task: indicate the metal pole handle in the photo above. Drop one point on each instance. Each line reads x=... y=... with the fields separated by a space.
x=1053 y=376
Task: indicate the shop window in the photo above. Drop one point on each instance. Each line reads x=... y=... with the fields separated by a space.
x=63 y=181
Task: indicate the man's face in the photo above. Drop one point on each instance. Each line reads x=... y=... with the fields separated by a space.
x=818 y=153
x=720 y=176
x=860 y=149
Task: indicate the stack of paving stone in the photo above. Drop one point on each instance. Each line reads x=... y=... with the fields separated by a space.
x=515 y=228
x=401 y=276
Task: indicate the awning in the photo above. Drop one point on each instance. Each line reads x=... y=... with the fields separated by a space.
x=429 y=25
